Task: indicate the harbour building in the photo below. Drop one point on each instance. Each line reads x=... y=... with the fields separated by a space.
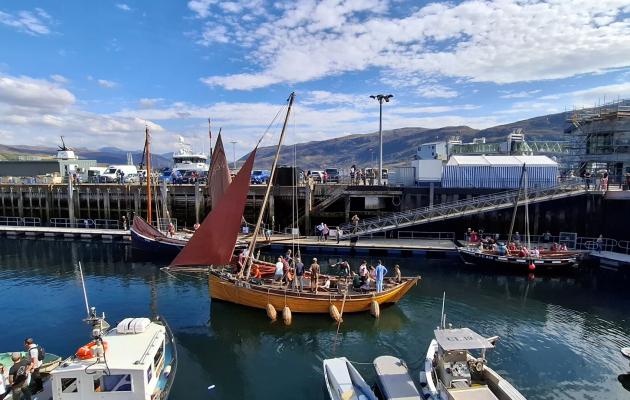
x=56 y=168
x=600 y=139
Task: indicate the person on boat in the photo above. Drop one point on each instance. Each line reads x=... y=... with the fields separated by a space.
x=381 y=271
x=20 y=377
x=34 y=356
x=196 y=226
x=314 y=275
x=535 y=253
x=279 y=270
x=372 y=272
x=299 y=274
x=344 y=268
x=546 y=237
x=397 y=274
x=326 y=285
x=4 y=381
x=363 y=271
x=474 y=237
x=290 y=277
x=171 y=229
x=285 y=267
x=356 y=281
x=523 y=252
x=563 y=247
x=512 y=247
x=554 y=246
x=517 y=237
x=289 y=256
x=256 y=272
x=502 y=249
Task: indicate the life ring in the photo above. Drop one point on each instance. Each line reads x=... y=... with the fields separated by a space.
x=86 y=352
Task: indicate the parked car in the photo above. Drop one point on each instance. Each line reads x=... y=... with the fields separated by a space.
x=332 y=175
x=131 y=178
x=260 y=176
x=317 y=175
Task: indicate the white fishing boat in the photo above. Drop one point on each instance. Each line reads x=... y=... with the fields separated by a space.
x=452 y=370
x=344 y=382
x=394 y=380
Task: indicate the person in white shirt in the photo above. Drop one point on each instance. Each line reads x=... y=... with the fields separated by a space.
x=279 y=270
x=33 y=356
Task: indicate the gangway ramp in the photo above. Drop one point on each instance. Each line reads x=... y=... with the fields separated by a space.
x=459 y=208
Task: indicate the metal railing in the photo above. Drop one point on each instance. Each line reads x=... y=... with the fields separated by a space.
x=459 y=208
x=31 y=221
x=84 y=223
x=11 y=221
x=426 y=235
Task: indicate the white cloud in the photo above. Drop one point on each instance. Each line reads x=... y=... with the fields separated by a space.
x=59 y=78
x=213 y=34
x=519 y=95
x=123 y=7
x=148 y=103
x=201 y=7
x=28 y=92
x=503 y=42
x=35 y=111
x=436 y=91
x=31 y=22
x=104 y=83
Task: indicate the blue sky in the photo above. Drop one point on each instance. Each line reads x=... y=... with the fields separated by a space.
x=96 y=72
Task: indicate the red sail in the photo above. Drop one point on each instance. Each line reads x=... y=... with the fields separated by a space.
x=213 y=243
x=219 y=174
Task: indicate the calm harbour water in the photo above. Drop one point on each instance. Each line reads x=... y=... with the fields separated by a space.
x=560 y=337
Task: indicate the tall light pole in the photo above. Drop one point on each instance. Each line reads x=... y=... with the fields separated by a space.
x=233 y=154
x=381 y=98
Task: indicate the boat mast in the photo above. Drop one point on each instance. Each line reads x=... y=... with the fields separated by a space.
x=210 y=136
x=518 y=196
x=252 y=244
x=526 y=201
x=147 y=150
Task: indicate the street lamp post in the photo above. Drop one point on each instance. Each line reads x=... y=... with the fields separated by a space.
x=381 y=98
x=233 y=155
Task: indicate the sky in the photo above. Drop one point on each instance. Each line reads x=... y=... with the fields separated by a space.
x=99 y=72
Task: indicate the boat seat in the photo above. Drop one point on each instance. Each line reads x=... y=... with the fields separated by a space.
x=472 y=393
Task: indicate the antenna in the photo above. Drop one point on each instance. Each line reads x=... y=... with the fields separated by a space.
x=442 y=317
x=87 y=307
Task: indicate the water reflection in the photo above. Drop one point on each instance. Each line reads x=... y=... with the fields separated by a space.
x=560 y=337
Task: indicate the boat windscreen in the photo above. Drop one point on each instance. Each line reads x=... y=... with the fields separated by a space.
x=461 y=339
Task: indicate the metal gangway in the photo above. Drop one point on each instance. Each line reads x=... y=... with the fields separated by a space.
x=460 y=208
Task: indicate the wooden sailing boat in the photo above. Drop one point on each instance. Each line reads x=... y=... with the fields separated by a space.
x=213 y=243
x=148 y=239
x=504 y=261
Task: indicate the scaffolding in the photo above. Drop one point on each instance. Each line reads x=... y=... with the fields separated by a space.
x=600 y=139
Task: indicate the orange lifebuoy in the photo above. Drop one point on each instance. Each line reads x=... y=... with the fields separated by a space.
x=85 y=352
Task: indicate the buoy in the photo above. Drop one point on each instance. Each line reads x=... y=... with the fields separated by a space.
x=334 y=313
x=271 y=312
x=286 y=315
x=375 y=309
x=532 y=267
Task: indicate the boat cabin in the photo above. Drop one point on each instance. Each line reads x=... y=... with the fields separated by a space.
x=129 y=368
x=456 y=367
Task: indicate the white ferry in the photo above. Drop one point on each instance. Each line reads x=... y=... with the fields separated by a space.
x=184 y=159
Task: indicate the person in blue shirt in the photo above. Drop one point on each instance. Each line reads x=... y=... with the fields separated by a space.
x=381 y=271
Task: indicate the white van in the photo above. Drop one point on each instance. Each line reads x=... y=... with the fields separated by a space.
x=112 y=174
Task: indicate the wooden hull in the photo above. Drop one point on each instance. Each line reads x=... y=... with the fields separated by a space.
x=306 y=302
x=513 y=264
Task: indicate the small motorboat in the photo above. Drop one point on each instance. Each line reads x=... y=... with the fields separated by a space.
x=344 y=382
x=394 y=380
x=625 y=351
x=50 y=361
x=137 y=359
x=451 y=371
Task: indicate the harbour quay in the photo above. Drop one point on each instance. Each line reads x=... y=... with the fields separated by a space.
x=589 y=212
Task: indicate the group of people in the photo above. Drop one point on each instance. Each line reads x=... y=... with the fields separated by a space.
x=22 y=379
x=290 y=272
x=322 y=232
x=363 y=176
